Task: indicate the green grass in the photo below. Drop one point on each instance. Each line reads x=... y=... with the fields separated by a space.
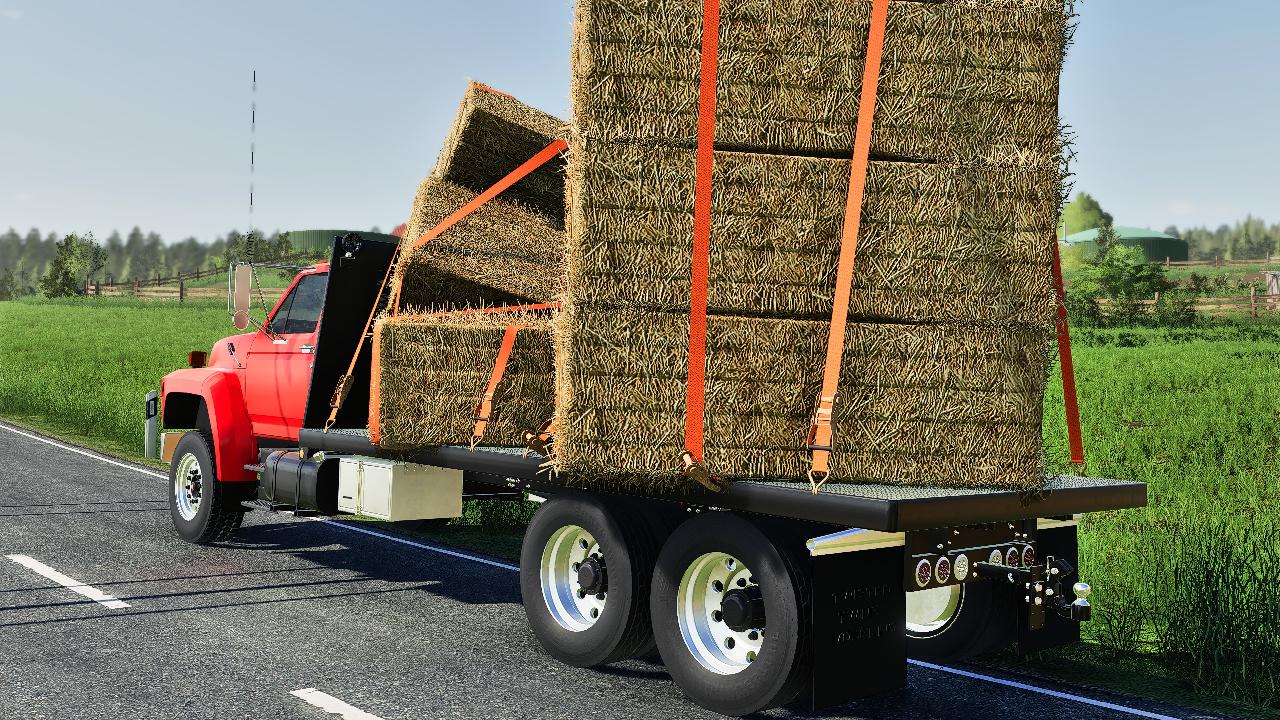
x=82 y=367
x=1187 y=590
x=1191 y=580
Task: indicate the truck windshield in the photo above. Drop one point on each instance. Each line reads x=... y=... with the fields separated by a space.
x=300 y=312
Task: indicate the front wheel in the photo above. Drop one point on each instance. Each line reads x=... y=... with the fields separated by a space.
x=199 y=505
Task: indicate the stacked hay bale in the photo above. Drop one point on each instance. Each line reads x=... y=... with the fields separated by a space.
x=510 y=250
x=431 y=372
x=432 y=361
x=953 y=302
x=493 y=134
x=501 y=254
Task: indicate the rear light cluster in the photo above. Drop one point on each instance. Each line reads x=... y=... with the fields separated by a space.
x=958 y=567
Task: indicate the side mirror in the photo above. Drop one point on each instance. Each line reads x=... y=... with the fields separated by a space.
x=242 y=286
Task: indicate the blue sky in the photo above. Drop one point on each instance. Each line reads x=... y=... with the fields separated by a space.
x=133 y=112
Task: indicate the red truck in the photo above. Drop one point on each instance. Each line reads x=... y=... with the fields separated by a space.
x=761 y=595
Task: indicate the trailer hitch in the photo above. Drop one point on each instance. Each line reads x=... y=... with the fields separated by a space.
x=1042 y=587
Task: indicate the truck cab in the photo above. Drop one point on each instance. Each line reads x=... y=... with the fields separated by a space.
x=253 y=391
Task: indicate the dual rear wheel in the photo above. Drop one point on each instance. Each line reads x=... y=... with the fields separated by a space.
x=600 y=585
x=723 y=599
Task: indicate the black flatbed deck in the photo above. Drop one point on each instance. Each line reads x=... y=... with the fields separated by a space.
x=888 y=508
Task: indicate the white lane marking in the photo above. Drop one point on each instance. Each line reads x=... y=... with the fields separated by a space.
x=422 y=546
x=331 y=704
x=80 y=451
x=69 y=583
x=1043 y=691
x=506 y=566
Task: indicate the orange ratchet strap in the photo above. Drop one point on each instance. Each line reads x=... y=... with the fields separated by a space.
x=461 y=214
x=485 y=409
x=821 y=434
x=695 y=390
x=1074 y=436
x=540 y=442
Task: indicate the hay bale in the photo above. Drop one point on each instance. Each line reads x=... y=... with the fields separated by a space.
x=961 y=79
x=503 y=253
x=948 y=406
x=494 y=134
x=939 y=242
x=431 y=372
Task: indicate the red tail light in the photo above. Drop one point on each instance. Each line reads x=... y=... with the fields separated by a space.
x=1013 y=558
x=1028 y=556
x=924 y=571
x=197 y=358
x=943 y=570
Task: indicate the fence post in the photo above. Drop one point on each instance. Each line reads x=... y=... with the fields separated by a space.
x=151 y=450
x=1253 y=302
x=1166 y=263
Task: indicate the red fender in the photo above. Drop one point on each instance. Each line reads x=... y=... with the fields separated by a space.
x=234 y=445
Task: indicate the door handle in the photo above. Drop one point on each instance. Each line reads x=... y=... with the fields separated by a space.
x=307 y=349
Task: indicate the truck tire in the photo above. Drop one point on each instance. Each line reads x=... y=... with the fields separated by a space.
x=202 y=509
x=959 y=621
x=585 y=568
x=730 y=614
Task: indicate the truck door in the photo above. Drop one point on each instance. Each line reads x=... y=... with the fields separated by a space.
x=280 y=361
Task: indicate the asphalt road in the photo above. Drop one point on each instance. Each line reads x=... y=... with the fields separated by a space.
x=395 y=630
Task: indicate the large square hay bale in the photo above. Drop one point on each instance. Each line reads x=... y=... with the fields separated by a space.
x=947 y=406
x=430 y=373
x=494 y=134
x=504 y=251
x=939 y=242
x=961 y=79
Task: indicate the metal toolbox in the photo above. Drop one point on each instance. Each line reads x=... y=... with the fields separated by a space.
x=393 y=491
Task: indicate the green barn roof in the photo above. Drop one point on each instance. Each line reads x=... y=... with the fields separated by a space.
x=1123 y=232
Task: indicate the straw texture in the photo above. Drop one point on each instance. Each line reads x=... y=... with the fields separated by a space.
x=961 y=79
x=503 y=253
x=494 y=134
x=433 y=372
x=937 y=405
x=939 y=242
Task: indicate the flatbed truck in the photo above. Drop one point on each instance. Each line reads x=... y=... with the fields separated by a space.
x=764 y=594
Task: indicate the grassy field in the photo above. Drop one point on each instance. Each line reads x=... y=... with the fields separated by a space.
x=1187 y=597
x=82 y=367
x=1189 y=582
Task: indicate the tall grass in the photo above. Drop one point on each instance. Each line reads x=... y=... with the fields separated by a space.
x=1193 y=579
x=83 y=366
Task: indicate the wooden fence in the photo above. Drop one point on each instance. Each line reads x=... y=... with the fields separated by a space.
x=1217 y=262
x=1253 y=304
x=175 y=287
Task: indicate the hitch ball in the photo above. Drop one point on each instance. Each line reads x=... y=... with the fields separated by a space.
x=1080 y=609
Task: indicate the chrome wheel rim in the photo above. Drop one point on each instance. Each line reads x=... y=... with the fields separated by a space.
x=716 y=646
x=571 y=607
x=929 y=612
x=186 y=486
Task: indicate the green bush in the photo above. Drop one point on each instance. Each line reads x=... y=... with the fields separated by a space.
x=1173 y=310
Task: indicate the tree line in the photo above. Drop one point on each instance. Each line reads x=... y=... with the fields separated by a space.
x=27 y=261
x=1248 y=239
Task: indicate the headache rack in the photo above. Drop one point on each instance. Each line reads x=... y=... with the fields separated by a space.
x=887 y=508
